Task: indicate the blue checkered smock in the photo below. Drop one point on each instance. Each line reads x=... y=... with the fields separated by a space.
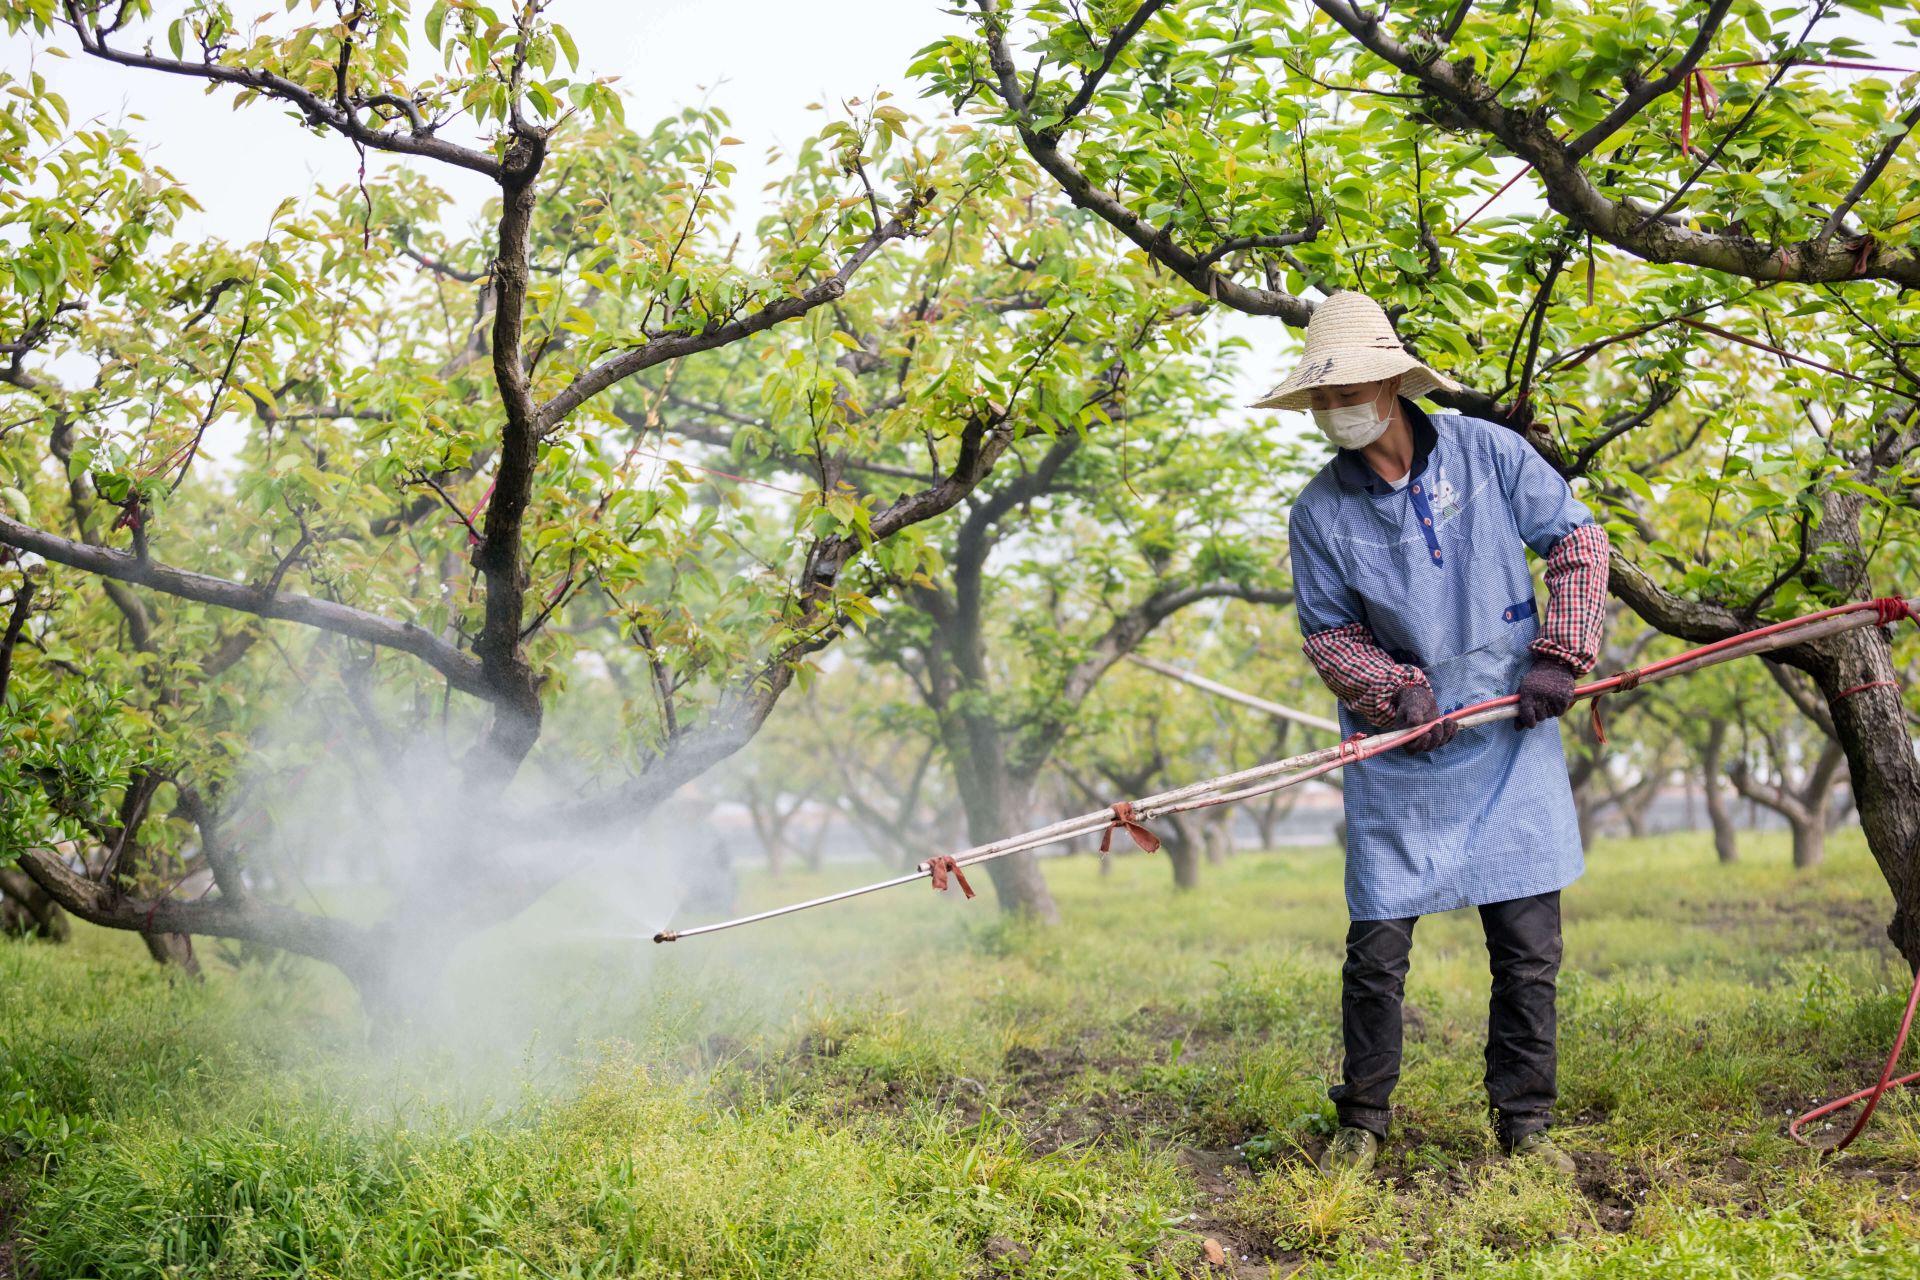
x=1437 y=571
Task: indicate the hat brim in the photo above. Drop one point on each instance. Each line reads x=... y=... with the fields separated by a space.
x=1352 y=365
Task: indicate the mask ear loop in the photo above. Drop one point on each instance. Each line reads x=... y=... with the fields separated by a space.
x=1385 y=420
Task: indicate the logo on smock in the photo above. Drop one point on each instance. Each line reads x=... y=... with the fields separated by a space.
x=1446 y=498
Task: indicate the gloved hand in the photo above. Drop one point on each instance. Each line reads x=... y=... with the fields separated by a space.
x=1546 y=691
x=1415 y=705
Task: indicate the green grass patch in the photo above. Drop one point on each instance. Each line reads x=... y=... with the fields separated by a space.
x=909 y=1086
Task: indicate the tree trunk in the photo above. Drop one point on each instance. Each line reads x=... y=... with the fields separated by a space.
x=1638 y=799
x=1216 y=834
x=1809 y=841
x=815 y=854
x=1872 y=728
x=1726 y=843
x=1634 y=814
x=1266 y=819
x=1803 y=806
x=996 y=807
x=27 y=910
x=1185 y=858
x=1181 y=838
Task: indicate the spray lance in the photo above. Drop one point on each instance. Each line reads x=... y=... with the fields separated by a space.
x=1130 y=816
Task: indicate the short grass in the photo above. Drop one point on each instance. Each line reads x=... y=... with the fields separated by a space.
x=906 y=1085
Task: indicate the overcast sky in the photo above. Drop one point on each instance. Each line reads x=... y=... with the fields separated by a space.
x=762 y=61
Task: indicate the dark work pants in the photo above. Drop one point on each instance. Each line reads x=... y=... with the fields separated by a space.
x=1523 y=951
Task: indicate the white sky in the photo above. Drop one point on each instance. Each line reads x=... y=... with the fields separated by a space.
x=762 y=61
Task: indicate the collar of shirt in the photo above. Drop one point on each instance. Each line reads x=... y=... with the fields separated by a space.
x=1350 y=466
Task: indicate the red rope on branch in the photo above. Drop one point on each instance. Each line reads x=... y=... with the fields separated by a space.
x=1862 y=688
x=1462 y=224
x=1686 y=114
x=1812 y=62
x=1731 y=336
x=473 y=530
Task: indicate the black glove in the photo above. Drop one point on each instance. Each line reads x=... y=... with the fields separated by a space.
x=1546 y=691
x=1415 y=705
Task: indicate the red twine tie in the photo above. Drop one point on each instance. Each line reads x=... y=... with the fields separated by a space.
x=1862 y=688
x=944 y=866
x=1686 y=117
x=1629 y=681
x=1123 y=819
x=1863 y=253
x=1891 y=610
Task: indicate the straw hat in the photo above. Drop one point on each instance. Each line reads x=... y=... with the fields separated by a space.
x=1349 y=340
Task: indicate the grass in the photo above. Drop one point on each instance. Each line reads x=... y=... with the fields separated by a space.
x=909 y=1086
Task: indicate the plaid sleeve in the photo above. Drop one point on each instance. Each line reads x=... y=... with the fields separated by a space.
x=1359 y=671
x=1576 y=599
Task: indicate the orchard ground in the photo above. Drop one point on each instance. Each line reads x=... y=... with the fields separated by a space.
x=907 y=1086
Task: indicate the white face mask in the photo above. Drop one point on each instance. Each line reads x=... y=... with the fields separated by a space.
x=1353 y=426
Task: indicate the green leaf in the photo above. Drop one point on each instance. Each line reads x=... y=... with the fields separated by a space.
x=1636 y=482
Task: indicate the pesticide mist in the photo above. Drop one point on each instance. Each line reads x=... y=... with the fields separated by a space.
x=367 y=831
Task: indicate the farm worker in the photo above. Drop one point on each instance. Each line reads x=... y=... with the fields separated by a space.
x=1410 y=576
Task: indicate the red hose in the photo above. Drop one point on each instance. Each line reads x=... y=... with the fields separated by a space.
x=1872 y=1095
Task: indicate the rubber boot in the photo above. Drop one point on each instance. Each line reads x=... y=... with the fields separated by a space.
x=1351 y=1151
x=1538 y=1148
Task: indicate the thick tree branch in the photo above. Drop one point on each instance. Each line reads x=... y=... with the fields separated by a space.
x=1118 y=41
x=603 y=375
x=1621 y=424
x=1694 y=620
x=1156 y=241
x=1467 y=102
x=247 y=918
x=1868 y=177
x=1637 y=99
x=16 y=623
x=1126 y=632
x=461 y=671
x=317 y=109
x=213 y=844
